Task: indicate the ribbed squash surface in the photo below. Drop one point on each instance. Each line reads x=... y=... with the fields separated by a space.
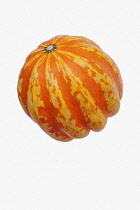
x=69 y=86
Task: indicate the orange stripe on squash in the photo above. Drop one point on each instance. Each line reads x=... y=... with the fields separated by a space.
x=69 y=86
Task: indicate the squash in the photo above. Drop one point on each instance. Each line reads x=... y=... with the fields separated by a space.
x=69 y=86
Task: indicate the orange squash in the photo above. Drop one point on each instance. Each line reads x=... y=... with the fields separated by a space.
x=69 y=86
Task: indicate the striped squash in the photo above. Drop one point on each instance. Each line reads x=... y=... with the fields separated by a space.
x=69 y=86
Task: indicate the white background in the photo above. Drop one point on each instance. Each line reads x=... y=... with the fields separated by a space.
x=101 y=171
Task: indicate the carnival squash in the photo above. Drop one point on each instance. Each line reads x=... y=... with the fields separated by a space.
x=69 y=86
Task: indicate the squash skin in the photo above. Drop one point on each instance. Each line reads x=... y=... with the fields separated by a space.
x=69 y=86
